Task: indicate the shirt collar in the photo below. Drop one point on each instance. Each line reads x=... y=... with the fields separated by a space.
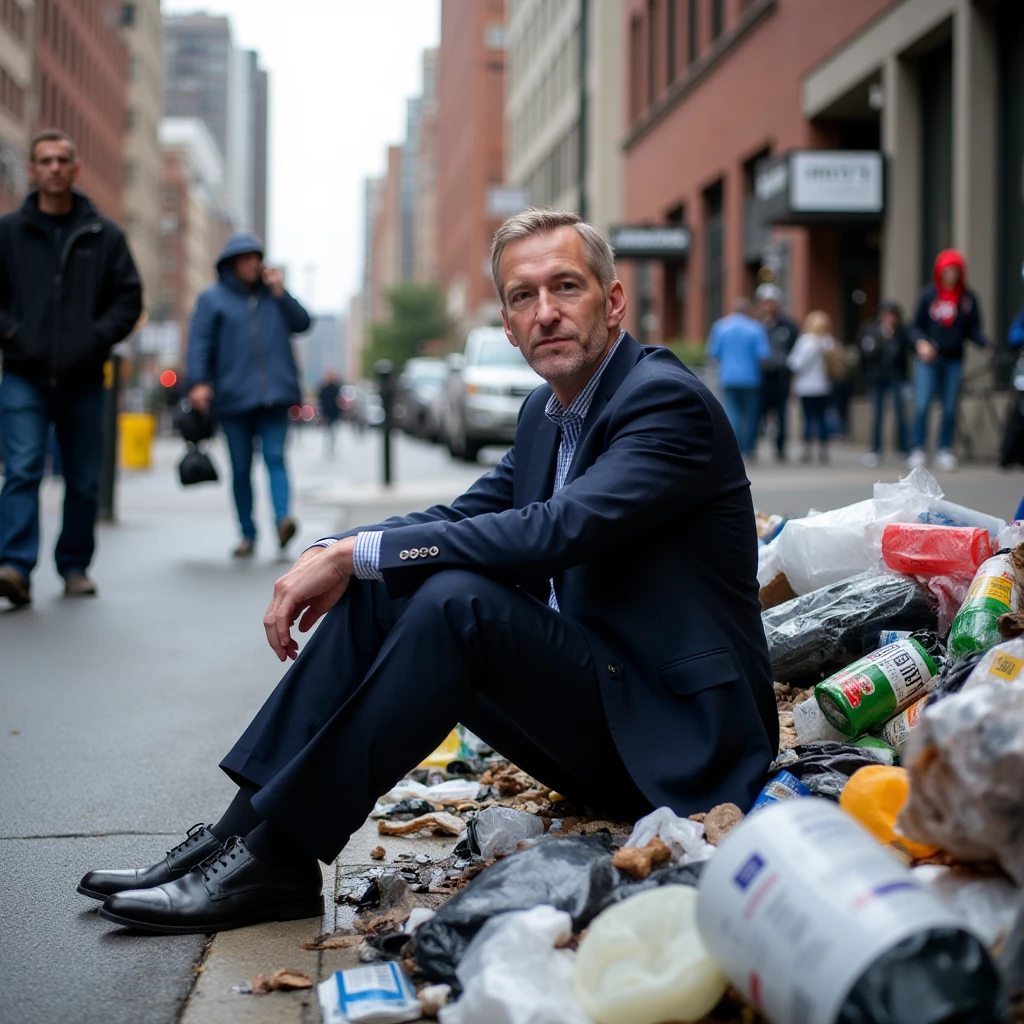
x=578 y=408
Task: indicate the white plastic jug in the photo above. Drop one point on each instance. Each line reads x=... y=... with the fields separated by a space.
x=642 y=961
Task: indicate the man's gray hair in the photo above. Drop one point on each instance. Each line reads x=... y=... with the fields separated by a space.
x=539 y=221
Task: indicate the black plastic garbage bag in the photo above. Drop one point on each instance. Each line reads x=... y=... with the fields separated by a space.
x=574 y=874
x=953 y=675
x=193 y=425
x=811 y=637
x=665 y=874
x=825 y=767
x=196 y=467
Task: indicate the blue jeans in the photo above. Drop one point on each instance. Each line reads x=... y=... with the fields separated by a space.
x=815 y=407
x=26 y=412
x=879 y=393
x=270 y=425
x=743 y=407
x=939 y=379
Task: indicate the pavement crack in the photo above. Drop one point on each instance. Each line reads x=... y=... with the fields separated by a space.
x=81 y=835
x=198 y=966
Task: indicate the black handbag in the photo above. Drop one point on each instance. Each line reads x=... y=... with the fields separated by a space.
x=193 y=425
x=196 y=467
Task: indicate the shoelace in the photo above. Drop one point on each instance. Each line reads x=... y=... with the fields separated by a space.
x=212 y=864
x=192 y=836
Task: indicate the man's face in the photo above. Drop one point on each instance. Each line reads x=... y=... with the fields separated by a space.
x=554 y=309
x=769 y=309
x=950 y=277
x=888 y=321
x=249 y=267
x=52 y=169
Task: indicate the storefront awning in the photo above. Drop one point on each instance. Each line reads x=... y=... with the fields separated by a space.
x=819 y=186
x=651 y=242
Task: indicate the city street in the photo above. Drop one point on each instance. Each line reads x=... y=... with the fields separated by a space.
x=115 y=711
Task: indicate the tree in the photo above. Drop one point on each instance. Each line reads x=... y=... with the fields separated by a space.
x=417 y=315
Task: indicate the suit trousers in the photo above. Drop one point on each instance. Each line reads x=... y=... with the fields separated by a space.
x=382 y=681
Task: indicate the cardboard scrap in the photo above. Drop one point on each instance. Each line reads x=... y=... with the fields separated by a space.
x=438 y=822
x=334 y=942
x=282 y=979
x=638 y=862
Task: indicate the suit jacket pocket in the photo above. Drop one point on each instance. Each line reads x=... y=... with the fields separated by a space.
x=699 y=672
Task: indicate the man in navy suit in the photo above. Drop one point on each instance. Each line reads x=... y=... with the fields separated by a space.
x=589 y=607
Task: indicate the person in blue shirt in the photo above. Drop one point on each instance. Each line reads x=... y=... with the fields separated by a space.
x=739 y=344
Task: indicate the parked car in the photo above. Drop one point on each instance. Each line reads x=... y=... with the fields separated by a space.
x=419 y=397
x=486 y=387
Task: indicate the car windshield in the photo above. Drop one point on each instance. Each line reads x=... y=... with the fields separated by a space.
x=498 y=352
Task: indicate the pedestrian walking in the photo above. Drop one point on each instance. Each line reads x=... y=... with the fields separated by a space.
x=782 y=334
x=241 y=369
x=69 y=291
x=883 y=348
x=329 y=395
x=811 y=384
x=624 y=491
x=739 y=344
x=947 y=316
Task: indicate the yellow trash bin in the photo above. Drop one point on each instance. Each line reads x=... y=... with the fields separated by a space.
x=136 y=430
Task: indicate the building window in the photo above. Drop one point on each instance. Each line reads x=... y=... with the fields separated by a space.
x=128 y=15
x=717 y=18
x=652 y=41
x=692 y=30
x=635 y=63
x=131 y=172
x=714 y=253
x=670 y=41
x=134 y=69
x=130 y=119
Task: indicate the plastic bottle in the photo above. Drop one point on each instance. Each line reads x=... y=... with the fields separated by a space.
x=883 y=683
x=815 y=923
x=642 y=961
x=921 y=550
x=993 y=592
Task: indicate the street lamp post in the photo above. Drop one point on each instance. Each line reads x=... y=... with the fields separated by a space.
x=384 y=370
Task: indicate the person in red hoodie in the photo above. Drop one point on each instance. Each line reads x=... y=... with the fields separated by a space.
x=947 y=315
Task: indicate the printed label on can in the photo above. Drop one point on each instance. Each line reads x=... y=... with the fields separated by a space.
x=1006 y=666
x=799 y=901
x=877 y=686
x=784 y=786
x=995 y=588
x=896 y=731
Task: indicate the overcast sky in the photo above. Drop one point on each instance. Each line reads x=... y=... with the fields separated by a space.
x=340 y=73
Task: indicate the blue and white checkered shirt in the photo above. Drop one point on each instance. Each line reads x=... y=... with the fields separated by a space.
x=570 y=420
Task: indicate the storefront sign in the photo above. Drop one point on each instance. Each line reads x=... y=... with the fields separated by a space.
x=820 y=186
x=651 y=242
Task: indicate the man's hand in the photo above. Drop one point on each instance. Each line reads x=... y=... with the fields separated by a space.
x=926 y=351
x=274 y=281
x=200 y=396
x=313 y=585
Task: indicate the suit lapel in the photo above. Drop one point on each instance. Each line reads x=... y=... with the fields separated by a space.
x=540 y=475
x=627 y=355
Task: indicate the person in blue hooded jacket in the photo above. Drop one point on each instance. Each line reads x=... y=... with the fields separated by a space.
x=241 y=369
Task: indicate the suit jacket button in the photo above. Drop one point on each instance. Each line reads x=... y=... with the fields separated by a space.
x=403 y=555
x=614 y=670
x=424 y=552
x=413 y=553
x=434 y=552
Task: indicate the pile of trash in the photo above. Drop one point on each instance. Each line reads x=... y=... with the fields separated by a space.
x=879 y=876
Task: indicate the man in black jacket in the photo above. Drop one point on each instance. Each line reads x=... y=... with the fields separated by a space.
x=69 y=291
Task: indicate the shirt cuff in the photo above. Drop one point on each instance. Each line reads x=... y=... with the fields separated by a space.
x=366 y=555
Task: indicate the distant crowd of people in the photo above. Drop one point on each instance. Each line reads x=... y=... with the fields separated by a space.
x=763 y=358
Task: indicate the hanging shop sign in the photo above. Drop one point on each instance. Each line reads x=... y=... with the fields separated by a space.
x=651 y=242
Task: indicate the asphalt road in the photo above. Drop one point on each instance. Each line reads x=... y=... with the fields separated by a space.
x=115 y=711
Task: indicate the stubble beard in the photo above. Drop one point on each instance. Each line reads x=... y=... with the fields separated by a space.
x=565 y=366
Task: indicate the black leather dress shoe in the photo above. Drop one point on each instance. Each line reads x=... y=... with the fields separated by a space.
x=231 y=889
x=199 y=844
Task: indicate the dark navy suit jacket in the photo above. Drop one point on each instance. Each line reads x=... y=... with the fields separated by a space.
x=652 y=546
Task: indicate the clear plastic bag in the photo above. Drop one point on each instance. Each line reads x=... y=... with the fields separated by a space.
x=513 y=974
x=1003 y=665
x=966 y=762
x=683 y=837
x=497 y=831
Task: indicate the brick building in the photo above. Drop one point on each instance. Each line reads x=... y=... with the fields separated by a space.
x=830 y=145
x=81 y=86
x=16 y=43
x=471 y=153
x=386 y=247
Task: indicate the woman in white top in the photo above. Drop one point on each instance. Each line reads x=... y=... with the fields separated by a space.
x=811 y=384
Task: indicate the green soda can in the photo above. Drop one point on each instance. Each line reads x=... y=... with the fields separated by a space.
x=887 y=754
x=993 y=592
x=869 y=692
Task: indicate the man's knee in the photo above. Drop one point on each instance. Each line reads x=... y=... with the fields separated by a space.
x=457 y=592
